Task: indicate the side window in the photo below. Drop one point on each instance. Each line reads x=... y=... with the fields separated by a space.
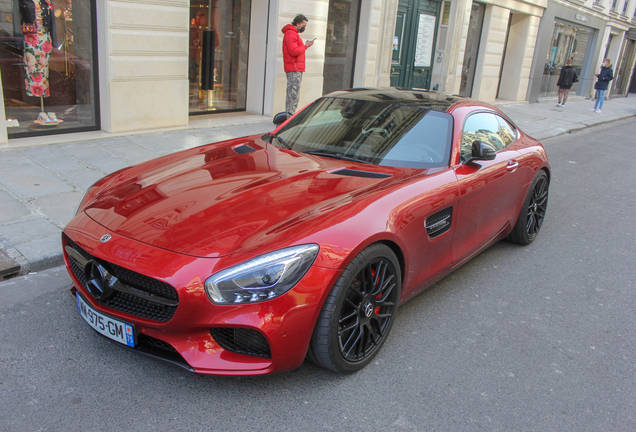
x=486 y=127
x=507 y=132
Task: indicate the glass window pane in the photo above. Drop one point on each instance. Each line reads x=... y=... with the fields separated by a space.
x=483 y=127
x=47 y=64
x=219 y=35
x=375 y=132
x=568 y=42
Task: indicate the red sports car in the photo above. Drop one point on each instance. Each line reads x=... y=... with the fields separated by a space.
x=249 y=255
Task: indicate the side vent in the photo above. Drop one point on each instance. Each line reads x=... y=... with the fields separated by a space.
x=439 y=223
x=357 y=173
x=243 y=149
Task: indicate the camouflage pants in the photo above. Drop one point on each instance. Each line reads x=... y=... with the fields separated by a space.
x=293 y=91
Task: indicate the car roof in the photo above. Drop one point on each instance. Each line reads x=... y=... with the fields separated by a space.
x=434 y=100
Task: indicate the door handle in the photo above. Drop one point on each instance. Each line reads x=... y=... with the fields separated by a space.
x=512 y=166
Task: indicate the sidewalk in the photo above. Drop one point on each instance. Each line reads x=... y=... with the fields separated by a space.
x=41 y=185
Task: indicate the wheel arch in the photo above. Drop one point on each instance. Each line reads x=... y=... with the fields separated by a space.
x=397 y=250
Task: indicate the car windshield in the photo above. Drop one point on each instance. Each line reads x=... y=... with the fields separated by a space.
x=380 y=133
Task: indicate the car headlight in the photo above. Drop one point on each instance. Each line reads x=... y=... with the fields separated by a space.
x=262 y=278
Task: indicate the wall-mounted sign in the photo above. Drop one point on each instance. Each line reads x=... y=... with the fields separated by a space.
x=425 y=35
x=580 y=17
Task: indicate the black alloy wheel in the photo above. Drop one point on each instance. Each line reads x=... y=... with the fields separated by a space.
x=367 y=310
x=359 y=312
x=533 y=211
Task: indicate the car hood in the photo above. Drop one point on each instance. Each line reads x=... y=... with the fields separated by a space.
x=217 y=199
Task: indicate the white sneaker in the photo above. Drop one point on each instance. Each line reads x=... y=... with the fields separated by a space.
x=559 y=105
x=593 y=109
x=598 y=111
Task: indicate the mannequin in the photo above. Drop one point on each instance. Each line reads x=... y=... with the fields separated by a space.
x=38 y=24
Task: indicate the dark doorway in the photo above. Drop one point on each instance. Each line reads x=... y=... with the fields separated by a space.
x=472 y=48
x=414 y=43
x=340 y=44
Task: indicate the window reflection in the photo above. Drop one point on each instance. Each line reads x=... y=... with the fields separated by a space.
x=217 y=69
x=48 y=72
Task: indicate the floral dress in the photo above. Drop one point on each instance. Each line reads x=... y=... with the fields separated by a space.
x=37 y=48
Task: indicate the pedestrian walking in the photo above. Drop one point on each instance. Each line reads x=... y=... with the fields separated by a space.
x=294 y=59
x=567 y=78
x=602 y=82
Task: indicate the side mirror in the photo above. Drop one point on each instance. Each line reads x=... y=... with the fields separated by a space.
x=482 y=151
x=280 y=118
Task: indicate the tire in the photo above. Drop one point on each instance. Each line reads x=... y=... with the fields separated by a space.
x=533 y=211
x=358 y=314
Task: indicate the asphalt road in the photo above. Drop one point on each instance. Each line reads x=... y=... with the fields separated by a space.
x=537 y=338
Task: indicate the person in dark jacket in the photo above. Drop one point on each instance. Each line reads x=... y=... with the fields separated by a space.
x=567 y=78
x=602 y=82
x=294 y=60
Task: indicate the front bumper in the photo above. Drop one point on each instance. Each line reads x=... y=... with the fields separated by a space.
x=285 y=323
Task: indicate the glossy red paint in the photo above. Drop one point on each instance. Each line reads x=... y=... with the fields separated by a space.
x=184 y=217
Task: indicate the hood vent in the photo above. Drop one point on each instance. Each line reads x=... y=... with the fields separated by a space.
x=243 y=149
x=357 y=173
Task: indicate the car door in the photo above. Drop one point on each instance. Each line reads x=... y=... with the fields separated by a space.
x=489 y=190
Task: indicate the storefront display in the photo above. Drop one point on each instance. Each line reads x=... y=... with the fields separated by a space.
x=48 y=77
x=569 y=41
x=219 y=35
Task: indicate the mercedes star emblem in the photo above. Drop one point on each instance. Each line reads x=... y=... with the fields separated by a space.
x=98 y=281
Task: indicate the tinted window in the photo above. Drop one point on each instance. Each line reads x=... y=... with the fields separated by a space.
x=380 y=133
x=489 y=128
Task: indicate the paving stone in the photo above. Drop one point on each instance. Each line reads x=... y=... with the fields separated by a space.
x=134 y=153
x=32 y=182
x=85 y=151
x=43 y=253
x=21 y=162
x=10 y=154
x=64 y=165
x=27 y=231
x=189 y=141
x=108 y=164
x=111 y=143
x=12 y=209
x=83 y=178
x=44 y=153
x=61 y=208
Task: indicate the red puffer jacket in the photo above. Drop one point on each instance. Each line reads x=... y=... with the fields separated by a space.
x=293 y=50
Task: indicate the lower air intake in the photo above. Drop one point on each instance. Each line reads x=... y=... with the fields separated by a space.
x=242 y=341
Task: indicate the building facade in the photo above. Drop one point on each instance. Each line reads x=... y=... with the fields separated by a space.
x=133 y=65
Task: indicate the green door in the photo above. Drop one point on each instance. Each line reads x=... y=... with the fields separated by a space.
x=414 y=43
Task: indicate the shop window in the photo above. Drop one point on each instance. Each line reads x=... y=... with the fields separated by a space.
x=568 y=42
x=47 y=59
x=219 y=38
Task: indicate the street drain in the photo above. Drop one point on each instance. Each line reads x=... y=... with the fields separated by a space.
x=8 y=267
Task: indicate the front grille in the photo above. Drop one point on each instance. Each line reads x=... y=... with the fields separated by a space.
x=439 y=223
x=125 y=302
x=358 y=173
x=242 y=341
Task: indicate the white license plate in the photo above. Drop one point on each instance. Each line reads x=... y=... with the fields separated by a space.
x=109 y=327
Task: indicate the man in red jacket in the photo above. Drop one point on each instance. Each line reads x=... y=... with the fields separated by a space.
x=294 y=59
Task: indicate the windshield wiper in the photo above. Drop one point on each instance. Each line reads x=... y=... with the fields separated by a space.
x=338 y=156
x=281 y=141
